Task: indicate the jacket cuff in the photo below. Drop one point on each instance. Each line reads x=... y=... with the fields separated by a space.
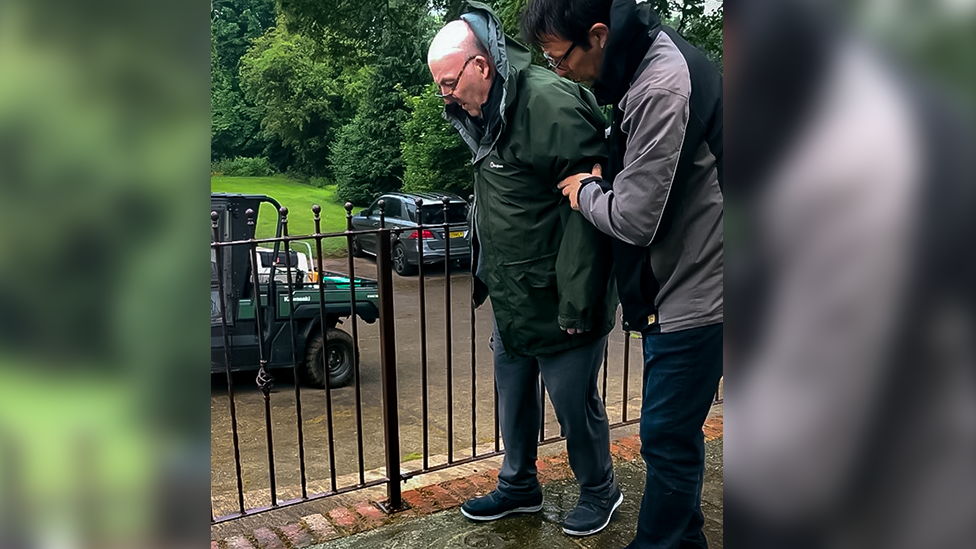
x=585 y=324
x=586 y=181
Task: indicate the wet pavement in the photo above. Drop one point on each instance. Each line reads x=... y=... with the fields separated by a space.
x=449 y=529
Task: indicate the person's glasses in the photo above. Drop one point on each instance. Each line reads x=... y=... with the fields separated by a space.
x=555 y=64
x=450 y=95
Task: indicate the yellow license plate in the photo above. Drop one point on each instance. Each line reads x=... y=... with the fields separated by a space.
x=457 y=234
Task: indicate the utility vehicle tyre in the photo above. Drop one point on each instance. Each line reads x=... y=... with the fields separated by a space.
x=341 y=356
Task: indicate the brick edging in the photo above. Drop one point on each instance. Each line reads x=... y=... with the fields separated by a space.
x=367 y=515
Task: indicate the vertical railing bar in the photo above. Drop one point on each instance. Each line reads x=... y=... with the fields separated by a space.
x=294 y=350
x=391 y=424
x=355 y=345
x=542 y=408
x=323 y=319
x=606 y=366
x=447 y=310
x=626 y=373
x=474 y=369
x=494 y=384
x=215 y=226
x=264 y=379
x=419 y=202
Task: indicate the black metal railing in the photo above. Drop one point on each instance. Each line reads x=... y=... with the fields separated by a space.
x=248 y=494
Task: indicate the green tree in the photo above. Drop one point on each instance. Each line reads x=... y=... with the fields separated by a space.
x=392 y=35
x=235 y=122
x=365 y=158
x=434 y=155
x=301 y=93
x=700 y=28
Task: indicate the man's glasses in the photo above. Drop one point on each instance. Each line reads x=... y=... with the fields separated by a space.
x=555 y=64
x=457 y=79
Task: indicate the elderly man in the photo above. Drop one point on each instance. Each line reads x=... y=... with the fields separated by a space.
x=545 y=268
x=663 y=207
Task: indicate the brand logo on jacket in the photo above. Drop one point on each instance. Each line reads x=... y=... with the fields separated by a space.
x=493 y=165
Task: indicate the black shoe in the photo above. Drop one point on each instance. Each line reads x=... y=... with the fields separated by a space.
x=495 y=506
x=590 y=516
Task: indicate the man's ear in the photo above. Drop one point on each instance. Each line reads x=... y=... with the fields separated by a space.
x=598 y=35
x=484 y=66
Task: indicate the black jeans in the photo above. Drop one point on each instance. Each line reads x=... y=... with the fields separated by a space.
x=681 y=374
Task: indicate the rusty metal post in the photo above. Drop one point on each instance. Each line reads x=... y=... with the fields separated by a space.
x=425 y=406
x=215 y=227
x=391 y=421
x=474 y=365
x=355 y=345
x=283 y=214
x=323 y=318
x=264 y=379
x=447 y=330
x=626 y=373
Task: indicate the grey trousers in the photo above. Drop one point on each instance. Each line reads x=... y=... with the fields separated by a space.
x=571 y=379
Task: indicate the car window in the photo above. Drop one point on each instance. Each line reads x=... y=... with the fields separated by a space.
x=457 y=212
x=392 y=208
x=282 y=258
x=411 y=211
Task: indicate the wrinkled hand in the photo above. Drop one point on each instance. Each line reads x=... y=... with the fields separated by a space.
x=570 y=186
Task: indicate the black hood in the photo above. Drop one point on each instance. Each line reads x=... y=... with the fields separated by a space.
x=633 y=28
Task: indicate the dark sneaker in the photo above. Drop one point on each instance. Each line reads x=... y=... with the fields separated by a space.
x=495 y=506
x=590 y=516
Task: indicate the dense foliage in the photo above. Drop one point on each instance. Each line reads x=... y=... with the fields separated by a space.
x=434 y=155
x=338 y=91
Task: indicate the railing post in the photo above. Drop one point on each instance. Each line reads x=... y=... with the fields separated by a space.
x=391 y=422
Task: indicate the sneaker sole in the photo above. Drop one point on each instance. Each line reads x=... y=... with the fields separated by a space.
x=484 y=518
x=602 y=526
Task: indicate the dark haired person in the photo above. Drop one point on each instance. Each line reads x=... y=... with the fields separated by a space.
x=660 y=197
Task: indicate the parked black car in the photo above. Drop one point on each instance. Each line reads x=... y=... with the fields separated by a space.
x=400 y=210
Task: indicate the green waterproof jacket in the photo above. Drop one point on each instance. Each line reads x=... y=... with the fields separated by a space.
x=543 y=265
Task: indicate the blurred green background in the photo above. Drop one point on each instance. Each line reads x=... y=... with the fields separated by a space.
x=104 y=141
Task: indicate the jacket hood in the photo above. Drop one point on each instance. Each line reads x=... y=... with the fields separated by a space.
x=509 y=57
x=633 y=27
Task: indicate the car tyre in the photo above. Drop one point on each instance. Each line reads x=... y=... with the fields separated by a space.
x=341 y=357
x=400 y=263
x=357 y=248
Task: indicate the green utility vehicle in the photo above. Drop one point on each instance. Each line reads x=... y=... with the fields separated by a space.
x=245 y=344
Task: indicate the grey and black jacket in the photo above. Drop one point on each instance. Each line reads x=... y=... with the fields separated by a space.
x=662 y=197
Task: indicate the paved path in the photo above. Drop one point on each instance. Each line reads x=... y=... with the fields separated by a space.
x=355 y=521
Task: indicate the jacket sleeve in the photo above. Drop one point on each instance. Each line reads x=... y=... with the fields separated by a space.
x=567 y=137
x=655 y=123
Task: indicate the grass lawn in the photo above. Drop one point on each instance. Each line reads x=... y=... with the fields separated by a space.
x=298 y=198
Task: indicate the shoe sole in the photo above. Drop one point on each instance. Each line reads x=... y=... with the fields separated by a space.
x=483 y=518
x=601 y=527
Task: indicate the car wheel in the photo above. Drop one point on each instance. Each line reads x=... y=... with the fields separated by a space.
x=340 y=354
x=357 y=248
x=400 y=263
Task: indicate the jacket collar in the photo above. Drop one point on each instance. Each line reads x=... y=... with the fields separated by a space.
x=633 y=27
